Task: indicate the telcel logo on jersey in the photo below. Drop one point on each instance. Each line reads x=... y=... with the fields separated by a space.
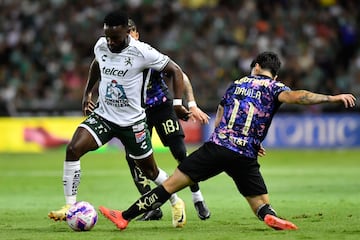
x=114 y=72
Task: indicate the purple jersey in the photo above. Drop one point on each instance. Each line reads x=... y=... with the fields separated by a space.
x=157 y=91
x=249 y=106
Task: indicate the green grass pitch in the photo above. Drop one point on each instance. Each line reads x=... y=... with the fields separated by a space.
x=318 y=190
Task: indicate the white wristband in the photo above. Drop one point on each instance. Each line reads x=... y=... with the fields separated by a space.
x=192 y=104
x=177 y=102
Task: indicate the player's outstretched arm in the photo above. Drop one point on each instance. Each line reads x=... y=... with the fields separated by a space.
x=305 y=97
x=348 y=100
x=196 y=113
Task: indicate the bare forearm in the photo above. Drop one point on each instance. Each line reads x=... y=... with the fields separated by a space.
x=219 y=114
x=189 y=93
x=173 y=71
x=308 y=98
x=88 y=105
x=303 y=97
x=178 y=84
x=93 y=77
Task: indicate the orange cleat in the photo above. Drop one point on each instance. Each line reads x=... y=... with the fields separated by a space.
x=278 y=223
x=115 y=216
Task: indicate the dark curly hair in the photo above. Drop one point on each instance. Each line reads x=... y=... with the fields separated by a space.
x=269 y=61
x=116 y=18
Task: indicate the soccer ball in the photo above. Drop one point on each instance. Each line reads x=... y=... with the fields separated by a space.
x=81 y=216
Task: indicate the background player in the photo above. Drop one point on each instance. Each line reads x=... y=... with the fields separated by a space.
x=119 y=63
x=243 y=118
x=161 y=115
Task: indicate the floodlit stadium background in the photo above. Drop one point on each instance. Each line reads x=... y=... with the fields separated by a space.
x=46 y=48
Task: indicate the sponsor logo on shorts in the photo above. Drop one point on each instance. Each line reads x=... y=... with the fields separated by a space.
x=140 y=136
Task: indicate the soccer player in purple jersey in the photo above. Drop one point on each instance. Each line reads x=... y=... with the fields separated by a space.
x=243 y=118
x=161 y=116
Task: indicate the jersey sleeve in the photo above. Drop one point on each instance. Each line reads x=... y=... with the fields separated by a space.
x=226 y=96
x=153 y=58
x=279 y=87
x=98 y=47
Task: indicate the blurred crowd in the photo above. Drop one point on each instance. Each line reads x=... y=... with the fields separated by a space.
x=46 y=46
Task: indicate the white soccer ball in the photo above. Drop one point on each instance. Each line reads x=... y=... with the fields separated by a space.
x=81 y=216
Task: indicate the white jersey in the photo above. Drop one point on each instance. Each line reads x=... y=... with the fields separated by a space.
x=122 y=87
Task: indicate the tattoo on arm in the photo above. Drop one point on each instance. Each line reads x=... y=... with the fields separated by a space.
x=306 y=97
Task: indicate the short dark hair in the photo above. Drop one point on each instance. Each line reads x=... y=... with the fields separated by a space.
x=252 y=63
x=116 y=18
x=268 y=60
x=132 y=25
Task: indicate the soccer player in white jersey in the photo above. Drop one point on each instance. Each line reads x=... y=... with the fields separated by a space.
x=118 y=65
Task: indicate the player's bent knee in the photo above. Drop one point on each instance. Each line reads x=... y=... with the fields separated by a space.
x=177 y=181
x=73 y=152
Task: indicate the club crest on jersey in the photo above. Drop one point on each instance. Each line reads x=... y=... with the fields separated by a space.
x=128 y=61
x=115 y=95
x=140 y=136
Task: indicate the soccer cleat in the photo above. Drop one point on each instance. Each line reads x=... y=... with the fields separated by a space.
x=202 y=210
x=115 y=216
x=155 y=214
x=278 y=223
x=178 y=214
x=59 y=215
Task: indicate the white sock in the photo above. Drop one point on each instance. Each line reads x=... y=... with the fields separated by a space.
x=71 y=180
x=160 y=179
x=197 y=196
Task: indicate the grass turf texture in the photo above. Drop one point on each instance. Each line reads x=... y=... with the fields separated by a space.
x=317 y=190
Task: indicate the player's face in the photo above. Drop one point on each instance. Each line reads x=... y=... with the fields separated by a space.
x=116 y=37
